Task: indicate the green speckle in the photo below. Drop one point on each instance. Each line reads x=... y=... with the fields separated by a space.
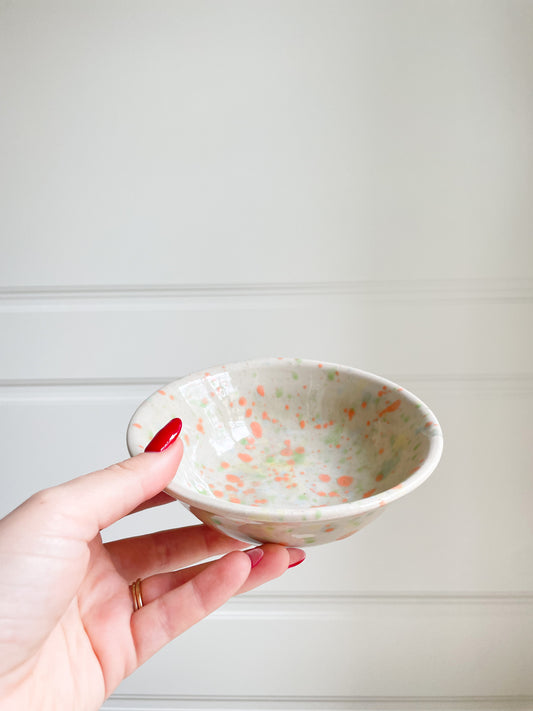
x=270 y=459
x=309 y=539
x=318 y=514
x=279 y=392
x=331 y=375
x=295 y=376
x=298 y=457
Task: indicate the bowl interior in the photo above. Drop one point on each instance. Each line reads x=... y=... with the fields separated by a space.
x=288 y=433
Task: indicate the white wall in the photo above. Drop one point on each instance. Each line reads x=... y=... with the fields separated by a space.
x=191 y=182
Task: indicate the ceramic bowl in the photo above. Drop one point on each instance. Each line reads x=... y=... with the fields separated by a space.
x=291 y=451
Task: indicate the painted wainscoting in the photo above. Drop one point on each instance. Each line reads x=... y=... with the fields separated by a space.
x=431 y=607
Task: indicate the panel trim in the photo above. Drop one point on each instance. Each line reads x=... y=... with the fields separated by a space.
x=110 y=296
x=126 y=702
x=40 y=389
x=335 y=605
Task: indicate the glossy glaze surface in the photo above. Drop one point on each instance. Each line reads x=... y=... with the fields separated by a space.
x=291 y=451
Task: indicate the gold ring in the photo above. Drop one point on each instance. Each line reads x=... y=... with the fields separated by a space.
x=136 y=594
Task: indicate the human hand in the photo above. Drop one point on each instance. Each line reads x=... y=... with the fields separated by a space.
x=68 y=631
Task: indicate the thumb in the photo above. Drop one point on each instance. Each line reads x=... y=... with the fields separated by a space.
x=97 y=500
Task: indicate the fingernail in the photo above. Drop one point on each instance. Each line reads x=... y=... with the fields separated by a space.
x=255 y=555
x=296 y=556
x=165 y=436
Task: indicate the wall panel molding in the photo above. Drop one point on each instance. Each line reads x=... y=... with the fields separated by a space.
x=337 y=605
x=42 y=389
x=109 y=296
x=126 y=702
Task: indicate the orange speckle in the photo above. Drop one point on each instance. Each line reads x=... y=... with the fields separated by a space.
x=381 y=451
x=393 y=406
x=186 y=438
x=231 y=404
x=256 y=429
x=320 y=365
x=332 y=493
x=300 y=450
x=248 y=412
x=245 y=457
x=329 y=529
x=234 y=499
x=265 y=416
x=212 y=394
x=274 y=421
x=162 y=392
x=286 y=407
x=230 y=487
x=369 y=493
x=363 y=405
x=242 y=401
x=249 y=491
x=351 y=413
x=324 y=477
x=345 y=481
x=200 y=428
x=261 y=390
x=260 y=501
x=318 y=427
x=224 y=465
x=218 y=494
x=379 y=477
x=321 y=493
x=136 y=424
x=302 y=424
x=234 y=479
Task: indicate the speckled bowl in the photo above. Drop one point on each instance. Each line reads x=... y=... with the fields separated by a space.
x=291 y=451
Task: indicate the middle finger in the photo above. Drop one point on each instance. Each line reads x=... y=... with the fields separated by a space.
x=168 y=550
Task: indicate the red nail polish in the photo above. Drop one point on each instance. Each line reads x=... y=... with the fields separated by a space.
x=297 y=556
x=255 y=555
x=165 y=436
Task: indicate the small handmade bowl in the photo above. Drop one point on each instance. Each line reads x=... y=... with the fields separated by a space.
x=291 y=451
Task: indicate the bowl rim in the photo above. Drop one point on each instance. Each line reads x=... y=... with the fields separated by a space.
x=248 y=512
